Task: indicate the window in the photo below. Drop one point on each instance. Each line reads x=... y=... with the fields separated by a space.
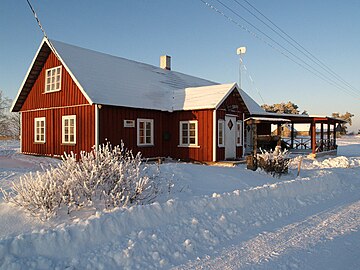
x=39 y=134
x=188 y=133
x=53 y=79
x=221 y=130
x=145 y=132
x=239 y=125
x=69 y=129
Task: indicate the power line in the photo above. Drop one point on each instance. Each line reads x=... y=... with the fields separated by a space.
x=42 y=29
x=299 y=47
x=316 y=73
x=37 y=19
x=252 y=83
x=314 y=70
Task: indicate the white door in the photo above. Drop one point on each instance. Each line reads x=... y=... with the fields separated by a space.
x=230 y=137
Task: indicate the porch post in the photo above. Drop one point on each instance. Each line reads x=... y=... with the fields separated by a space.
x=322 y=136
x=278 y=130
x=292 y=135
x=313 y=137
x=334 y=135
x=254 y=127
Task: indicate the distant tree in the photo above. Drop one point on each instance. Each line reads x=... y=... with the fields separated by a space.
x=9 y=122
x=287 y=108
x=347 y=117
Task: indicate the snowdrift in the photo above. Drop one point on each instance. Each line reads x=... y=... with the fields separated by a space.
x=162 y=235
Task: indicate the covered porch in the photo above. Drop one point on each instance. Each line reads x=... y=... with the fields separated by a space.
x=319 y=139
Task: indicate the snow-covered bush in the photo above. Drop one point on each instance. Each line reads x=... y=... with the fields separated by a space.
x=274 y=162
x=106 y=177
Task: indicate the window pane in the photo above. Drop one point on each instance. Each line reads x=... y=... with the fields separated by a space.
x=72 y=138
x=192 y=140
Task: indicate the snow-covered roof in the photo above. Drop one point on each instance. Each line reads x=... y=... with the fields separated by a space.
x=252 y=105
x=268 y=119
x=204 y=97
x=113 y=80
x=110 y=80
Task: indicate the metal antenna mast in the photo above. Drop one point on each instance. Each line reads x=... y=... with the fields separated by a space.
x=240 y=51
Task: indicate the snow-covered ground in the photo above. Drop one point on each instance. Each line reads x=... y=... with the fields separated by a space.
x=207 y=217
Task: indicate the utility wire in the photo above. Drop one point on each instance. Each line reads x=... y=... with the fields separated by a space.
x=42 y=29
x=37 y=19
x=298 y=46
x=252 y=82
x=316 y=73
x=314 y=70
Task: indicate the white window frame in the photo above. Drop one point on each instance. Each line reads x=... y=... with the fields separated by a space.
x=221 y=130
x=53 y=79
x=36 y=130
x=188 y=134
x=63 y=134
x=145 y=121
x=239 y=133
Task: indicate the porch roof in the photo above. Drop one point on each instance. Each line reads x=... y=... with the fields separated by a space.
x=257 y=120
x=300 y=118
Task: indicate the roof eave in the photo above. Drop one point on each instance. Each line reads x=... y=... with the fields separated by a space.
x=16 y=106
x=225 y=96
x=26 y=76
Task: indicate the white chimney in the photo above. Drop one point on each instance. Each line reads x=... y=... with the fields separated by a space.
x=165 y=62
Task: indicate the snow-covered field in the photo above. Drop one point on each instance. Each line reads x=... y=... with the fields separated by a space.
x=207 y=217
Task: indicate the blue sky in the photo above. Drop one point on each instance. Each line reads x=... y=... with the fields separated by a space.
x=200 y=41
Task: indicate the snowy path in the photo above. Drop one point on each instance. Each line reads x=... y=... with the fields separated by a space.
x=303 y=235
x=231 y=218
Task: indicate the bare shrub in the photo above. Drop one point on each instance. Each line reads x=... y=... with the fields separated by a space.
x=274 y=162
x=106 y=177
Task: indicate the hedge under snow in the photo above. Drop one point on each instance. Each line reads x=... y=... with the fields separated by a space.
x=106 y=177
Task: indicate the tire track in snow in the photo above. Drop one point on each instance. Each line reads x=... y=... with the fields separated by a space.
x=318 y=228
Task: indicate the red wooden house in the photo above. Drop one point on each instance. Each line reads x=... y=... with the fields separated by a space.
x=74 y=98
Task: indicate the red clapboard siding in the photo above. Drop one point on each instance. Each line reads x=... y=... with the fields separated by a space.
x=85 y=131
x=111 y=123
x=227 y=108
x=69 y=94
x=111 y=128
x=205 y=123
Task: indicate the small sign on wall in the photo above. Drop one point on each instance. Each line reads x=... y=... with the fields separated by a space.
x=129 y=123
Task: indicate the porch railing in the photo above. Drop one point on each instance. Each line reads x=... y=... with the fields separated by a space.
x=299 y=142
x=323 y=145
x=303 y=143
